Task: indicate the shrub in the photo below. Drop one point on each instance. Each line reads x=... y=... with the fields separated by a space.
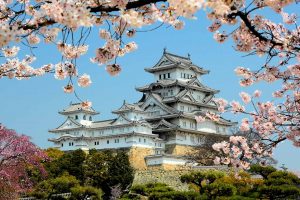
x=139 y=189
x=219 y=189
x=80 y=192
x=174 y=195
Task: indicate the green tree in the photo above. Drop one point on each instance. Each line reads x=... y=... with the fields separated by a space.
x=210 y=183
x=96 y=170
x=280 y=185
x=71 y=162
x=107 y=169
x=84 y=192
x=54 y=153
x=264 y=171
x=61 y=184
x=120 y=171
x=201 y=179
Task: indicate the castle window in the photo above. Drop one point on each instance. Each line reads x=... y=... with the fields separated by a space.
x=159 y=76
x=191 y=125
x=218 y=129
x=164 y=76
x=180 y=75
x=184 y=124
x=76 y=116
x=199 y=139
x=62 y=144
x=192 y=139
x=189 y=108
x=97 y=142
x=184 y=75
x=72 y=144
x=144 y=140
x=169 y=75
x=139 y=139
x=116 y=140
x=84 y=117
x=90 y=118
x=182 y=108
x=107 y=142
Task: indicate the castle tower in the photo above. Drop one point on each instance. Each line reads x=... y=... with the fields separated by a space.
x=173 y=101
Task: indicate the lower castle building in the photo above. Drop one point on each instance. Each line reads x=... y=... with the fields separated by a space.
x=158 y=130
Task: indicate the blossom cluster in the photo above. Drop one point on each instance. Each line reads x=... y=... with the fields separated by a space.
x=16 y=154
x=238 y=153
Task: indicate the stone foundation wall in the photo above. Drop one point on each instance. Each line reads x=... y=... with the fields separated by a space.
x=137 y=157
x=176 y=149
x=169 y=177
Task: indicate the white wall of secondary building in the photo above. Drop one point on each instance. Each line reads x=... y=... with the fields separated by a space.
x=110 y=143
x=187 y=139
x=164 y=160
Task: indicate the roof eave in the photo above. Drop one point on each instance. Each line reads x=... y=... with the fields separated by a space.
x=78 y=111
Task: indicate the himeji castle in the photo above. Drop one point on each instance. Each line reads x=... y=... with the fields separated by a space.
x=158 y=130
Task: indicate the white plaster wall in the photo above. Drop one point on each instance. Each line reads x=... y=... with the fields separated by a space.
x=206 y=126
x=198 y=96
x=188 y=139
x=171 y=71
x=165 y=160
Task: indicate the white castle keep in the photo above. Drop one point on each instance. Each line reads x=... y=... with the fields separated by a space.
x=160 y=128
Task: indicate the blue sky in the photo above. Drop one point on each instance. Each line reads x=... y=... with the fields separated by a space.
x=31 y=106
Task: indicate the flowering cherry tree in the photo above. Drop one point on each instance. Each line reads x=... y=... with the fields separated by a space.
x=16 y=154
x=67 y=24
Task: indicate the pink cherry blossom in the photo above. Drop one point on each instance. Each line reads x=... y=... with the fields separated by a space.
x=245 y=97
x=84 y=80
x=113 y=70
x=16 y=154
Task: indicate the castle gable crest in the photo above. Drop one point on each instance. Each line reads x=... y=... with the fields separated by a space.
x=155 y=101
x=121 y=120
x=70 y=123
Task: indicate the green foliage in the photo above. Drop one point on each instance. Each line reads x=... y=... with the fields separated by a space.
x=96 y=169
x=216 y=189
x=120 y=171
x=105 y=170
x=71 y=162
x=139 y=189
x=264 y=171
x=81 y=193
x=245 y=185
x=274 y=185
x=280 y=185
x=54 y=153
x=201 y=179
x=62 y=184
x=159 y=191
x=174 y=195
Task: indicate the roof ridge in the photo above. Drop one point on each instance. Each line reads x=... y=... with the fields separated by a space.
x=104 y=120
x=171 y=54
